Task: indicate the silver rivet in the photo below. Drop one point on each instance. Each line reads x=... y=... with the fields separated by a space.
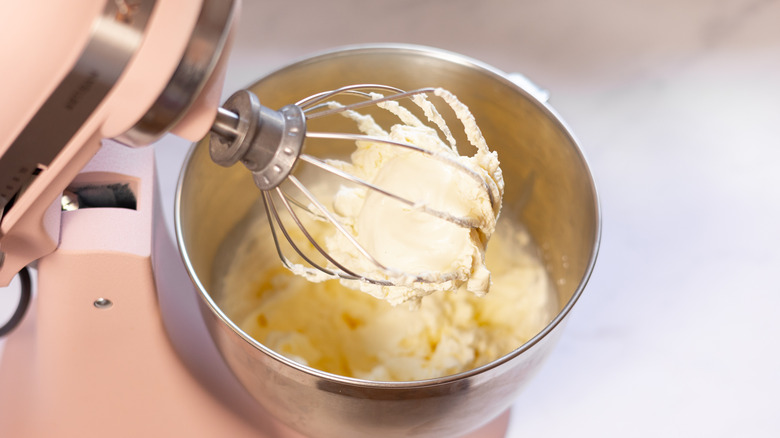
x=103 y=303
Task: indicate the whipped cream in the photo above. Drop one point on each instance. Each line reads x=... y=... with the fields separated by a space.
x=410 y=243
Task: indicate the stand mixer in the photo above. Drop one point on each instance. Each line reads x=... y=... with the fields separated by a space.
x=114 y=345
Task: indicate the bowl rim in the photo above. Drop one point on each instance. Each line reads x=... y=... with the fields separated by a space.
x=418 y=50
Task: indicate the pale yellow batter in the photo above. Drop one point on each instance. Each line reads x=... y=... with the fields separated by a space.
x=343 y=331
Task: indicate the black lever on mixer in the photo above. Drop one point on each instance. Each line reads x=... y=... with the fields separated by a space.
x=24 y=302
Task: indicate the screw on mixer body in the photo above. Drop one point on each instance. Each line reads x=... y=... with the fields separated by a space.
x=103 y=303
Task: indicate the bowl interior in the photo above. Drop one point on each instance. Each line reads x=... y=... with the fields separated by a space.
x=549 y=190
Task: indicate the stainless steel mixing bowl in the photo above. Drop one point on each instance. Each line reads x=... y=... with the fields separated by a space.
x=548 y=188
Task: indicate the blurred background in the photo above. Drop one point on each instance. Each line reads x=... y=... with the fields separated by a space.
x=677 y=107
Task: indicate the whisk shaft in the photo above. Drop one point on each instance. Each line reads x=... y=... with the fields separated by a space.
x=226 y=124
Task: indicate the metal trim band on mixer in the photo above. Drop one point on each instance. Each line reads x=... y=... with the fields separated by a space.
x=198 y=62
x=117 y=35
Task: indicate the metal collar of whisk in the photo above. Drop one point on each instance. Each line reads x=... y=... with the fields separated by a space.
x=267 y=142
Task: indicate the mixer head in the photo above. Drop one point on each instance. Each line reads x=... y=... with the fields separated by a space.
x=131 y=71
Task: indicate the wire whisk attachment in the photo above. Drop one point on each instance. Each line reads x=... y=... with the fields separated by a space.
x=361 y=217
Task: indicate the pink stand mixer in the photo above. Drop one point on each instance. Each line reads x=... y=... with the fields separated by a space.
x=114 y=344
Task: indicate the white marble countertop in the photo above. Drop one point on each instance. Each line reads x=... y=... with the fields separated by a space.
x=677 y=107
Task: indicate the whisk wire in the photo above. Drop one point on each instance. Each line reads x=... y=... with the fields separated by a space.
x=437 y=156
x=400 y=94
x=343 y=272
x=460 y=221
x=317 y=98
x=350 y=177
x=270 y=208
x=339 y=226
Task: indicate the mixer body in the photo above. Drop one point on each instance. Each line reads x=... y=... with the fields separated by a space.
x=94 y=358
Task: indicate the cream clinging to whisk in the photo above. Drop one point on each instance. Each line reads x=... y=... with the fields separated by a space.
x=412 y=217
